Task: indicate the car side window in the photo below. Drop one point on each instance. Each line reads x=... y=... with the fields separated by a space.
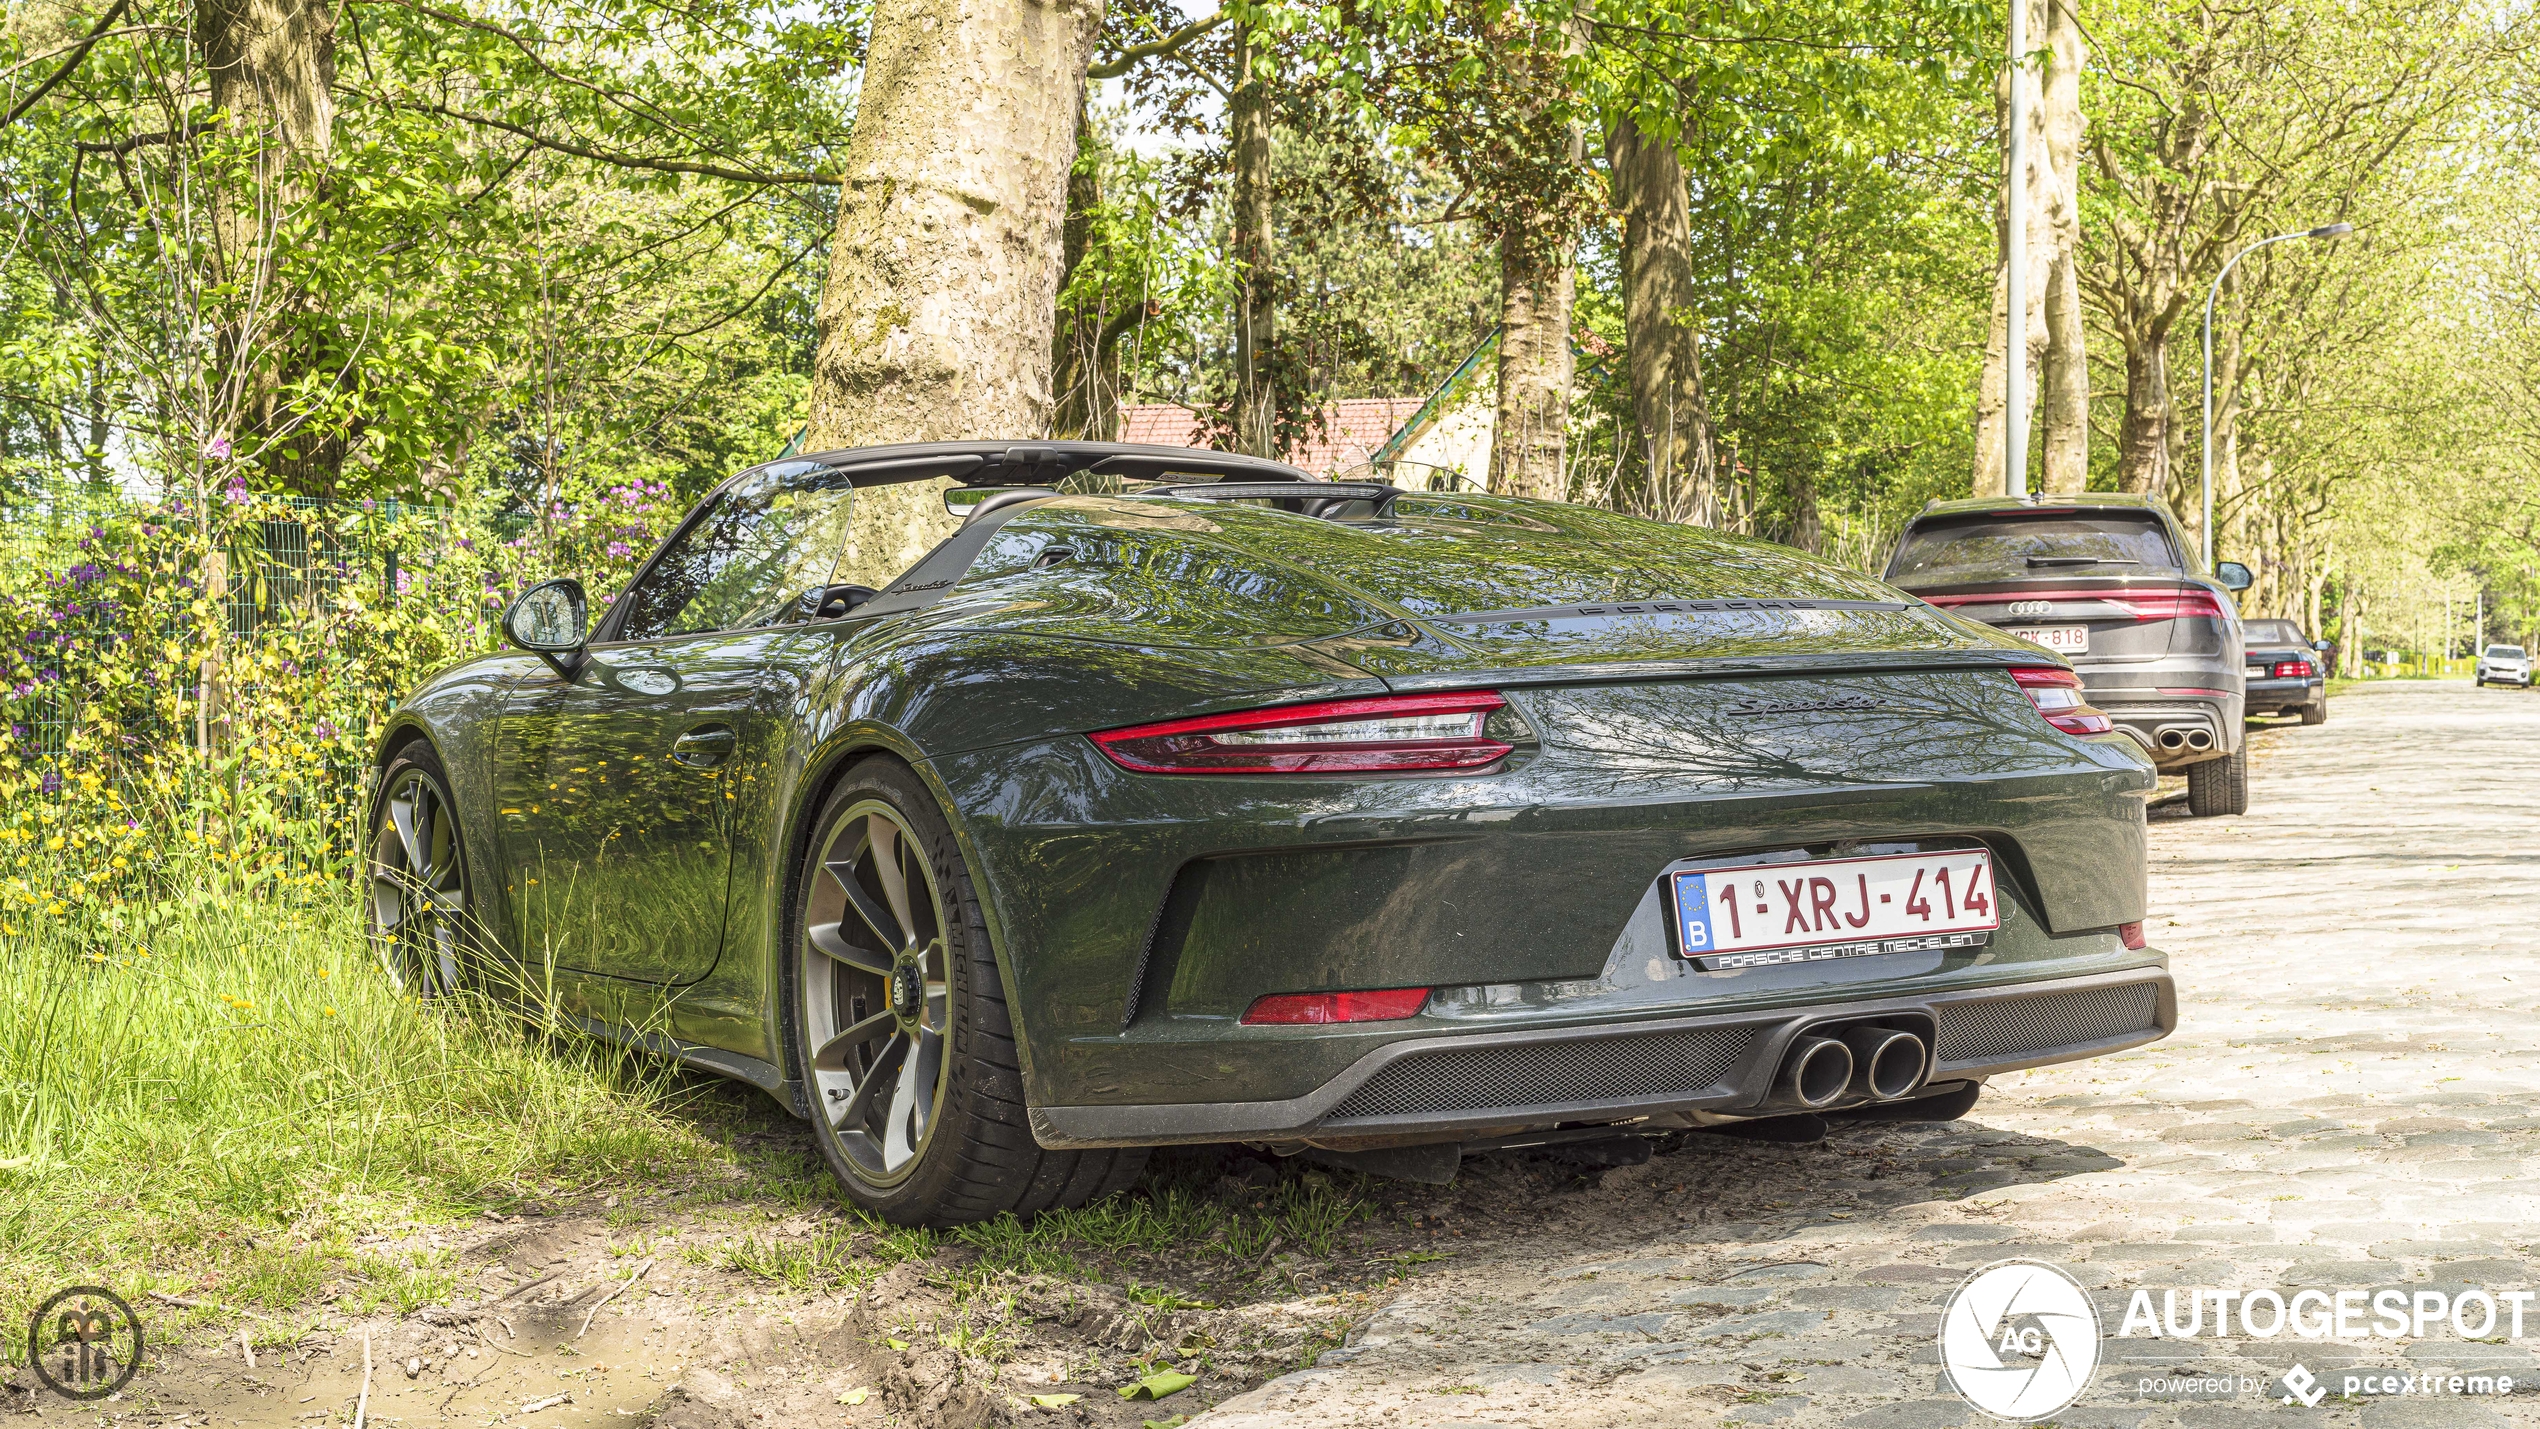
x=747 y=559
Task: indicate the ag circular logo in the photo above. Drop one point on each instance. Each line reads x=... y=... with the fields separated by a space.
x=2020 y=1340
x=85 y=1342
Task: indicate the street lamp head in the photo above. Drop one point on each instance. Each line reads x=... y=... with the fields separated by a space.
x=2334 y=230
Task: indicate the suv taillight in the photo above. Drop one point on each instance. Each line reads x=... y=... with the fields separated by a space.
x=2181 y=603
x=1385 y=734
x=2057 y=695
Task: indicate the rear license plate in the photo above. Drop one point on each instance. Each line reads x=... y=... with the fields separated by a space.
x=2062 y=639
x=1764 y=915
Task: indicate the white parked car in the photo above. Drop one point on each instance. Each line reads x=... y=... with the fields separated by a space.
x=2504 y=665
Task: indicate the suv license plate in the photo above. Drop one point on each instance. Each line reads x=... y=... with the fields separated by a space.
x=1763 y=915
x=2062 y=639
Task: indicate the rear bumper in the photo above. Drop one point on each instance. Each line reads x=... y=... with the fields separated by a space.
x=2265 y=695
x=1446 y=1088
x=2168 y=727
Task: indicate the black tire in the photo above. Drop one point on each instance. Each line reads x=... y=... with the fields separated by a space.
x=420 y=916
x=871 y=996
x=2219 y=786
x=2315 y=713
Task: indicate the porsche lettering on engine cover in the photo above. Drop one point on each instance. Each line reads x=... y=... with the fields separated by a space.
x=1179 y=797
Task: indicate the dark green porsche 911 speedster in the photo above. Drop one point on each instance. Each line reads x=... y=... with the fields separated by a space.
x=1178 y=797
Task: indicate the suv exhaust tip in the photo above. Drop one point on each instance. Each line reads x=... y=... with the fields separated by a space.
x=2199 y=739
x=1887 y=1064
x=1817 y=1073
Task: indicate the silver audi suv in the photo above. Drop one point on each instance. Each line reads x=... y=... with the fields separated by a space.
x=2112 y=584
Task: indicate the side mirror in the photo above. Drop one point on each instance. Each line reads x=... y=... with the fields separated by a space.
x=551 y=620
x=2233 y=575
x=2322 y=646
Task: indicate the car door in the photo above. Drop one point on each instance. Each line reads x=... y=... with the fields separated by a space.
x=618 y=789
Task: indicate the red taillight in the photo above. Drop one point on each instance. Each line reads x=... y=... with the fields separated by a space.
x=2182 y=603
x=1381 y=735
x=2131 y=934
x=2057 y=695
x=1391 y=1004
x=2186 y=603
x=2292 y=669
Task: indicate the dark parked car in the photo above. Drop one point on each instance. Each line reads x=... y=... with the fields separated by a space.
x=2287 y=672
x=2109 y=583
x=1177 y=797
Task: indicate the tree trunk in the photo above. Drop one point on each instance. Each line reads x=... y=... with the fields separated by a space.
x=1256 y=388
x=273 y=62
x=1528 y=444
x=2144 y=433
x=1807 y=530
x=1664 y=350
x=1085 y=357
x=2065 y=373
x=271 y=71
x=941 y=304
x=2037 y=182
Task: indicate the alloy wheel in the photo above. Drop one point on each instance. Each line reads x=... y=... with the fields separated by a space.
x=418 y=887
x=875 y=990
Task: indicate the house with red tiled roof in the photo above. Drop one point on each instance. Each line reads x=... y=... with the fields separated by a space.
x=1440 y=440
x=1352 y=430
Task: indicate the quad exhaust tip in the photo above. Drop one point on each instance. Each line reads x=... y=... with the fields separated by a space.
x=1887 y=1064
x=1817 y=1072
x=1858 y=1063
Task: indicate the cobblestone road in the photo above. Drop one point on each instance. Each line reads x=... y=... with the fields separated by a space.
x=2346 y=1105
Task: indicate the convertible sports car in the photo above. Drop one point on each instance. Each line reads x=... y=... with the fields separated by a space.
x=1179 y=797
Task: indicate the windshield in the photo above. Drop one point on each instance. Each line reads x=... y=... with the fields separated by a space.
x=2504 y=652
x=2016 y=545
x=2275 y=632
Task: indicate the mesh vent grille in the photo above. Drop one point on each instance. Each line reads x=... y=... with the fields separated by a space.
x=1986 y=1031
x=1603 y=1069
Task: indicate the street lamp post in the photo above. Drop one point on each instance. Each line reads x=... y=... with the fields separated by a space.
x=2333 y=230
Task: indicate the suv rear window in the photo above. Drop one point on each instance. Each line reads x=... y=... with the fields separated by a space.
x=2018 y=545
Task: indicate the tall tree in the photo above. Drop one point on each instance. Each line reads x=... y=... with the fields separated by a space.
x=2050 y=321
x=1662 y=336
x=1254 y=232
x=1486 y=90
x=940 y=309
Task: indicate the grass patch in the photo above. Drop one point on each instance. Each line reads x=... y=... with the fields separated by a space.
x=213 y=1096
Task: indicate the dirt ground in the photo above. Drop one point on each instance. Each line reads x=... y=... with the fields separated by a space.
x=2345 y=1100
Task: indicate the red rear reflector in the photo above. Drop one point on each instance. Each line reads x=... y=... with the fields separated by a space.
x=2057 y=695
x=1390 y=1004
x=2130 y=934
x=1379 y=735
